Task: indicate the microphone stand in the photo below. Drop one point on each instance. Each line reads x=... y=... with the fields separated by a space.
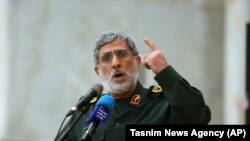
x=65 y=133
x=87 y=135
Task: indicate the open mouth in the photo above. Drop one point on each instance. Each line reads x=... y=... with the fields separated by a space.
x=118 y=76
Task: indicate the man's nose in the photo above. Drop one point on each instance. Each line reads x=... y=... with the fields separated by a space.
x=116 y=62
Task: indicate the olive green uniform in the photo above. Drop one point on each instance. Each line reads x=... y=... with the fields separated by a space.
x=174 y=101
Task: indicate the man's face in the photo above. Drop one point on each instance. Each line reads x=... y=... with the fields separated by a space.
x=118 y=68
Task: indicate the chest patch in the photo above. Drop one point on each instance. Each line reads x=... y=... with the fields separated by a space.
x=135 y=99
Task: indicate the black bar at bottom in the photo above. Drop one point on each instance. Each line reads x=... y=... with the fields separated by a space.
x=194 y=132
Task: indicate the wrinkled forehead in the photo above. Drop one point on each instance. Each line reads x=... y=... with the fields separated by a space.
x=115 y=45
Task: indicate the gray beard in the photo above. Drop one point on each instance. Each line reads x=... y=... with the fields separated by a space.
x=118 y=88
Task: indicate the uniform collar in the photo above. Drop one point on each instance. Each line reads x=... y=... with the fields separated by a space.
x=138 y=99
x=122 y=106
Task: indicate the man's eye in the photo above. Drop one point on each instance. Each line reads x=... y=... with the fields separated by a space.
x=106 y=57
x=122 y=53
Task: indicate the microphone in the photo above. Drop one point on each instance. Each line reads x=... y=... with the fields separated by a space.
x=95 y=91
x=99 y=115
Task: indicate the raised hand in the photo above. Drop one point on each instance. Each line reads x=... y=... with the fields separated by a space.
x=154 y=59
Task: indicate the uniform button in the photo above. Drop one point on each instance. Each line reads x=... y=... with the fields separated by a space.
x=117 y=124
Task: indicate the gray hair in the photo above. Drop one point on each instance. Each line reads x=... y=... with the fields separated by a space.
x=110 y=36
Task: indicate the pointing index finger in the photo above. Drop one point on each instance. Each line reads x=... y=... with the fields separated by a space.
x=150 y=44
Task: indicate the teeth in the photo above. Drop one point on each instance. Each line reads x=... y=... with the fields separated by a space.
x=118 y=75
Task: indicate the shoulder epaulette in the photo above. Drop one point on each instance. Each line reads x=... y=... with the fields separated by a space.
x=156 y=89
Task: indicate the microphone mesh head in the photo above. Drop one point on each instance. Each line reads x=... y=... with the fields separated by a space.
x=106 y=101
x=98 y=88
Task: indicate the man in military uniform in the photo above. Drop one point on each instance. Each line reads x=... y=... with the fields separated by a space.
x=117 y=63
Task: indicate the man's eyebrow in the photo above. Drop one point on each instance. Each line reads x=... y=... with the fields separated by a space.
x=105 y=53
x=115 y=50
x=121 y=48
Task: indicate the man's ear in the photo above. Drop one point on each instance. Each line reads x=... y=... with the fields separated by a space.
x=138 y=61
x=97 y=70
